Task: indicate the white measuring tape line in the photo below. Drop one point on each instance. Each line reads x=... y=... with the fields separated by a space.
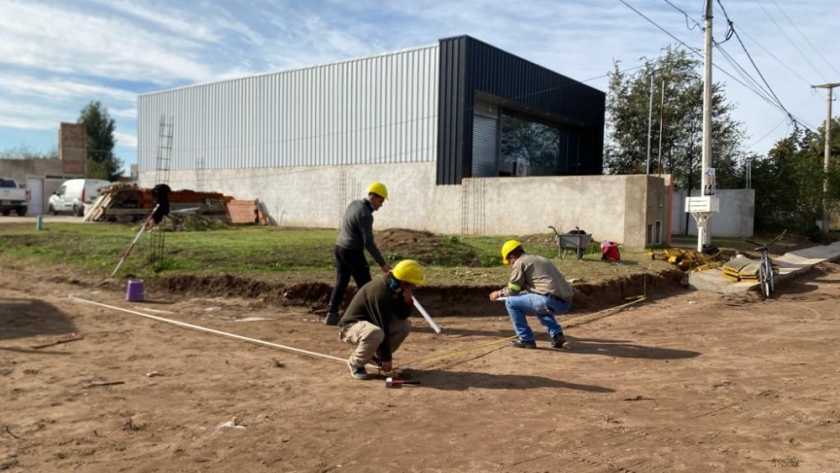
x=207 y=330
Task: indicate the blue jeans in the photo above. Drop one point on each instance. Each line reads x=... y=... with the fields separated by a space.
x=542 y=306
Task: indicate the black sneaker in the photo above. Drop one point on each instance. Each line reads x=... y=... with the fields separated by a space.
x=558 y=340
x=523 y=344
x=332 y=319
x=357 y=372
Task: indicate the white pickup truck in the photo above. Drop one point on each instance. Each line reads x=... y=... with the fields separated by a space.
x=12 y=197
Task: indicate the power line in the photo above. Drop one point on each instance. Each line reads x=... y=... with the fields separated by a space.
x=806 y=39
x=696 y=52
x=768 y=133
x=790 y=40
x=687 y=18
x=783 y=63
x=757 y=88
x=749 y=56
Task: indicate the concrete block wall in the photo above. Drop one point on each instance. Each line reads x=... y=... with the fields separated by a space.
x=616 y=208
x=20 y=169
x=735 y=219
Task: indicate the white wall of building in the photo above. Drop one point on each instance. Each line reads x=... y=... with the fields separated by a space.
x=615 y=208
x=735 y=219
x=374 y=110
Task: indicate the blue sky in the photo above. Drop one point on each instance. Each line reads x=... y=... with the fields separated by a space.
x=56 y=56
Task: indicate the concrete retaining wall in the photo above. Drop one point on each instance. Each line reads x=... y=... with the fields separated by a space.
x=736 y=217
x=616 y=208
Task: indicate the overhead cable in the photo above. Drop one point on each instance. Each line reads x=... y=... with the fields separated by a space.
x=790 y=40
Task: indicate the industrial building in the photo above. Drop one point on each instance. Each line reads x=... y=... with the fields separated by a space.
x=469 y=139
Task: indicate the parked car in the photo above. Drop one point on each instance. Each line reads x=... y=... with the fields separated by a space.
x=74 y=194
x=13 y=197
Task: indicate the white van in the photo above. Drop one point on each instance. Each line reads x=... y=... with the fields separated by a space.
x=74 y=194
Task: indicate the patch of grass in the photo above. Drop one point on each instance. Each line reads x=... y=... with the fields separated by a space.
x=287 y=254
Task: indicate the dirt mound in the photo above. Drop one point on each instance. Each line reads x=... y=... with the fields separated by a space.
x=425 y=247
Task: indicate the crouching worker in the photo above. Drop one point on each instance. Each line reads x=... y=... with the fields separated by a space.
x=376 y=321
x=536 y=287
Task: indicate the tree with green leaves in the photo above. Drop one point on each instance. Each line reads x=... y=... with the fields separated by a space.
x=628 y=102
x=789 y=181
x=101 y=162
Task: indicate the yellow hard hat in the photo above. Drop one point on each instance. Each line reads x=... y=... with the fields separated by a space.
x=409 y=271
x=509 y=246
x=379 y=189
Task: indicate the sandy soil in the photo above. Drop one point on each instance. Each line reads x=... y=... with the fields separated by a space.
x=689 y=382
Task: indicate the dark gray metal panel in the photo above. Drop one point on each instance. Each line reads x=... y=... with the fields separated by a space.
x=538 y=89
x=451 y=130
x=470 y=67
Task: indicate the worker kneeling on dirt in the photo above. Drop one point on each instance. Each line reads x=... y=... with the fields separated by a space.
x=377 y=318
x=536 y=287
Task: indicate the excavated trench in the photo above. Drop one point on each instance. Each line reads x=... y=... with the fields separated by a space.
x=443 y=300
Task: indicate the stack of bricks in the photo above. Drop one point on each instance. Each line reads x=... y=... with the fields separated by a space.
x=243 y=211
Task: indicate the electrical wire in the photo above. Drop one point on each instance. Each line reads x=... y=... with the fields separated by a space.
x=783 y=63
x=687 y=18
x=784 y=120
x=746 y=76
x=806 y=38
x=790 y=40
x=696 y=52
x=749 y=56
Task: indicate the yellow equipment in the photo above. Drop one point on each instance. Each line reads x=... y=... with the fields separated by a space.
x=689 y=260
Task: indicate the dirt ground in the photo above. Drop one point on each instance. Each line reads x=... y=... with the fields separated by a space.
x=683 y=381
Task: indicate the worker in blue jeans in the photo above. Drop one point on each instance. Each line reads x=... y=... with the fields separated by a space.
x=536 y=287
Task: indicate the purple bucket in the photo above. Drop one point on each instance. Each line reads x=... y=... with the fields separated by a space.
x=135 y=290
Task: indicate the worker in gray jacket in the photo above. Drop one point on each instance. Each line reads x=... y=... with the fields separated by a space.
x=536 y=287
x=355 y=236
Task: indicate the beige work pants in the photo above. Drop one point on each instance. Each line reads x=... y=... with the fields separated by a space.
x=367 y=337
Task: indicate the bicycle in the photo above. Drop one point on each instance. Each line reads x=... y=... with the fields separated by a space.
x=765 y=268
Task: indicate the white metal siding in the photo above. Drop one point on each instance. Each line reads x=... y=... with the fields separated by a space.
x=381 y=109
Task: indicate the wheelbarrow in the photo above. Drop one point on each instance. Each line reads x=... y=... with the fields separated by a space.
x=576 y=240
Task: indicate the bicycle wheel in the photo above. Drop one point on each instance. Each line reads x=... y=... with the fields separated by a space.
x=764 y=281
x=770 y=276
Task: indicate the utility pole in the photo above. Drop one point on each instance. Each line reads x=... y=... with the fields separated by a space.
x=661 y=124
x=825 y=215
x=650 y=120
x=706 y=204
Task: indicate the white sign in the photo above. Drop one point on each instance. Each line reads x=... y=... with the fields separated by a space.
x=707 y=204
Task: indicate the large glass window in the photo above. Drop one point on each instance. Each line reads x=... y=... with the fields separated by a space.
x=529 y=147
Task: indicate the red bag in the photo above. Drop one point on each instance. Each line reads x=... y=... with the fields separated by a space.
x=609 y=251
